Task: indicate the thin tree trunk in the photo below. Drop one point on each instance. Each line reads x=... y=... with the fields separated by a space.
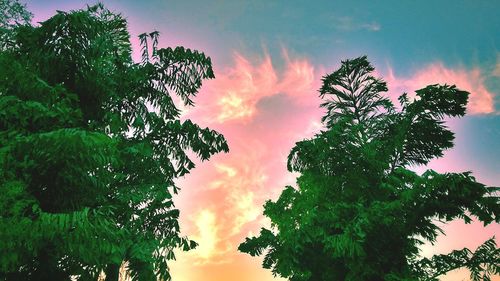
x=47 y=267
x=112 y=272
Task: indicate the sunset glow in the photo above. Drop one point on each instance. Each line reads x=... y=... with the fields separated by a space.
x=269 y=58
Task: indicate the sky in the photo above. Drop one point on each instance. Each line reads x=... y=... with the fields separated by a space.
x=269 y=57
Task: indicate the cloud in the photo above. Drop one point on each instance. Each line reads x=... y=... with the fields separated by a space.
x=371 y=26
x=207 y=237
x=481 y=100
x=211 y=246
x=246 y=210
x=230 y=199
x=299 y=77
x=234 y=94
x=349 y=24
x=225 y=172
x=241 y=180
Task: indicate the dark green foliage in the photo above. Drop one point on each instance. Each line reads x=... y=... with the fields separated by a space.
x=91 y=143
x=358 y=213
x=479 y=263
x=353 y=93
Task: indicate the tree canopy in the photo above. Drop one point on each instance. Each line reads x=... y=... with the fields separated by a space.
x=90 y=145
x=358 y=212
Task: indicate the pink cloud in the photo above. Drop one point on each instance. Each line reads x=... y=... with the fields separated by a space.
x=237 y=89
x=299 y=78
x=481 y=100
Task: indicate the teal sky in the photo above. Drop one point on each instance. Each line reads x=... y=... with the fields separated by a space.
x=404 y=34
x=414 y=41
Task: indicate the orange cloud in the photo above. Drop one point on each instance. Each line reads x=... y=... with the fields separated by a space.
x=245 y=210
x=481 y=100
x=227 y=205
x=239 y=181
x=242 y=180
x=213 y=246
x=207 y=234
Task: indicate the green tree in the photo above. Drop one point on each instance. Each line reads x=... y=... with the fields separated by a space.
x=12 y=14
x=90 y=145
x=358 y=212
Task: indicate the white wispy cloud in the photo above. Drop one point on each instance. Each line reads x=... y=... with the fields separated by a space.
x=345 y=23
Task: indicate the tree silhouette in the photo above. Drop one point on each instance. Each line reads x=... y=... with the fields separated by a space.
x=358 y=212
x=91 y=143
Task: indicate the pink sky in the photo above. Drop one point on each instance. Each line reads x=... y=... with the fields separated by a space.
x=263 y=111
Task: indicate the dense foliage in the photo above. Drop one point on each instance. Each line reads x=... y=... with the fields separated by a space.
x=12 y=14
x=90 y=145
x=358 y=212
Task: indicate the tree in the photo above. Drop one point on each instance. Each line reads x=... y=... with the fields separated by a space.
x=358 y=212
x=91 y=143
x=12 y=14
